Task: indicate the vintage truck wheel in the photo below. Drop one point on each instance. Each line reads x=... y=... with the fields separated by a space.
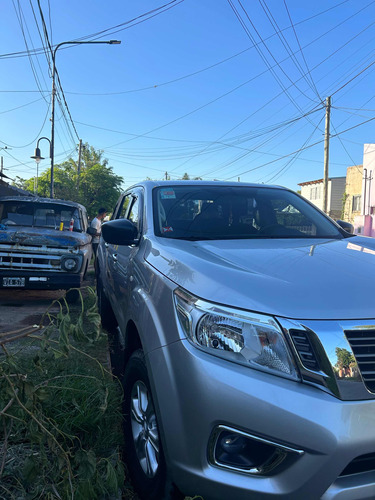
x=143 y=448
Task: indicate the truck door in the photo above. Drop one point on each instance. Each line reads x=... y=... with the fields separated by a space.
x=122 y=260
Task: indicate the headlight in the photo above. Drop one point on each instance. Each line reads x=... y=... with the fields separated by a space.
x=71 y=263
x=251 y=339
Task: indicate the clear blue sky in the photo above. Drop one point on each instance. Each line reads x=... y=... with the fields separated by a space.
x=187 y=90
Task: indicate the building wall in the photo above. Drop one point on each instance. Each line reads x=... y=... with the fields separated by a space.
x=314 y=192
x=353 y=193
x=336 y=189
x=365 y=222
x=368 y=183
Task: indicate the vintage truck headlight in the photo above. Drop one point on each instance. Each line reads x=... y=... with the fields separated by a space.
x=251 y=339
x=71 y=263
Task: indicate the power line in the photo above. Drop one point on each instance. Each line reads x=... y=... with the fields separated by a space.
x=286 y=46
x=300 y=48
x=290 y=162
x=152 y=13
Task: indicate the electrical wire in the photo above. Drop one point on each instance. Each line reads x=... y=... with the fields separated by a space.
x=33 y=141
x=22 y=106
x=291 y=161
x=300 y=48
x=287 y=47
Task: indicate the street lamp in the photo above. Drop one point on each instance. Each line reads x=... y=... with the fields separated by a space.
x=37 y=157
x=52 y=142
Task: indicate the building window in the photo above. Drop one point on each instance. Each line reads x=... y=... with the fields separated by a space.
x=356 y=203
x=315 y=193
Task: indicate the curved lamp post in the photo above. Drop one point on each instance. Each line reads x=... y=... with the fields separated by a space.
x=52 y=141
x=37 y=157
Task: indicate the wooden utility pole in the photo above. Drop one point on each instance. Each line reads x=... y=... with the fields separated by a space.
x=326 y=154
x=79 y=162
x=2 y=165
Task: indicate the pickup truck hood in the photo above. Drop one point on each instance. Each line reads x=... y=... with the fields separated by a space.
x=40 y=236
x=300 y=279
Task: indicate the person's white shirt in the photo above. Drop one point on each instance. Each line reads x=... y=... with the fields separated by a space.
x=97 y=225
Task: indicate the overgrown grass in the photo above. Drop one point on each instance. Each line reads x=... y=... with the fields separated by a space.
x=60 y=418
x=60 y=410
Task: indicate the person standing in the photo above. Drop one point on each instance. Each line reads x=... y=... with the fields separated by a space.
x=96 y=224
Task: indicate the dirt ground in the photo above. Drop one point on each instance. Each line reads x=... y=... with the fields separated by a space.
x=20 y=308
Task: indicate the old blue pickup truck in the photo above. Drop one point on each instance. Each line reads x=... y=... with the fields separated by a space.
x=43 y=243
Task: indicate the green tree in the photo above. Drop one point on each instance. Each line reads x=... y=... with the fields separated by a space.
x=344 y=358
x=96 y=187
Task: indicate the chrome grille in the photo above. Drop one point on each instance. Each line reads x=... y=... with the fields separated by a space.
x=362 y=343
x=29 y=261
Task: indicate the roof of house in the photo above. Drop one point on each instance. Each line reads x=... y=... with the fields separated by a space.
x=8 y=190
x=319 y=180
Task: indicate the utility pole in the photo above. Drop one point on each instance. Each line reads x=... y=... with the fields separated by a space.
x=79 y=163
x=326 y=154
x=166 y=176
x=2 y=165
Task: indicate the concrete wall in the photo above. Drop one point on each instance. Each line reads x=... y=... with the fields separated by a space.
x=353 y=189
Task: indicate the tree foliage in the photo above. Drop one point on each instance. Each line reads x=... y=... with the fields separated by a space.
x=344 y=358
x=96 y=187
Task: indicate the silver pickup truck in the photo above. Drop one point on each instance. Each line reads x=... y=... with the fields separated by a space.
x=43 y=243
x=246 y=326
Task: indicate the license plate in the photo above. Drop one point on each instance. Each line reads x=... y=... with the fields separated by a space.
x=13 y=282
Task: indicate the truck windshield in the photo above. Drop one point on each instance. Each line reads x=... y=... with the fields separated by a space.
x=32 y=214
x=228 y=212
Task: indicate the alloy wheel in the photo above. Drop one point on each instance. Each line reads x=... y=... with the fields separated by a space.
x=145 y=429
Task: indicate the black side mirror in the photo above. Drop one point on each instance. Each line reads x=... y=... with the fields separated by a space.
x=120 y=232
x=346 y=226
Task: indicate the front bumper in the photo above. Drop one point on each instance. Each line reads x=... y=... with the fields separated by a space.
x=196 y=392
x=41 y=280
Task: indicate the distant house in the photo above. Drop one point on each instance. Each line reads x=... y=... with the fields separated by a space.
x=353 y=193
x=313 y=191
x=364 y=222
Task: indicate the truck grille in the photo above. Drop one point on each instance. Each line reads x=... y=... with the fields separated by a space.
x=29 y=261
x=362 y=343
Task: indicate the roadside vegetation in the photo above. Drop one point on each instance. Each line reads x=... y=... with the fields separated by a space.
x=60 y=409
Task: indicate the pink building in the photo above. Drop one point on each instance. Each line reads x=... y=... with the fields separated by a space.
x=364 y=224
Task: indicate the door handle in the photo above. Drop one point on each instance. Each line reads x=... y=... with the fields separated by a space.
x=114 y=257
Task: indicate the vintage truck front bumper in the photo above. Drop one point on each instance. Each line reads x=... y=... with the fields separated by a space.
x=41 y=280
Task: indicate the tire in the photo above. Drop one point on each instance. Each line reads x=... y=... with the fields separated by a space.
x=143 y=448
x=72 y=296
x=107 y=316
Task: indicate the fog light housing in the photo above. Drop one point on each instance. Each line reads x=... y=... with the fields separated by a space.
x=236 y=450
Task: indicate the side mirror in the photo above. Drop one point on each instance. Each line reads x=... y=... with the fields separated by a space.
x=346 y=226
x=91 y=231
x=120 y=232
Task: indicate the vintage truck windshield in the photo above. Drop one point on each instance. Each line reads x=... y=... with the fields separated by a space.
x=227 y=212
x=31 y=214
